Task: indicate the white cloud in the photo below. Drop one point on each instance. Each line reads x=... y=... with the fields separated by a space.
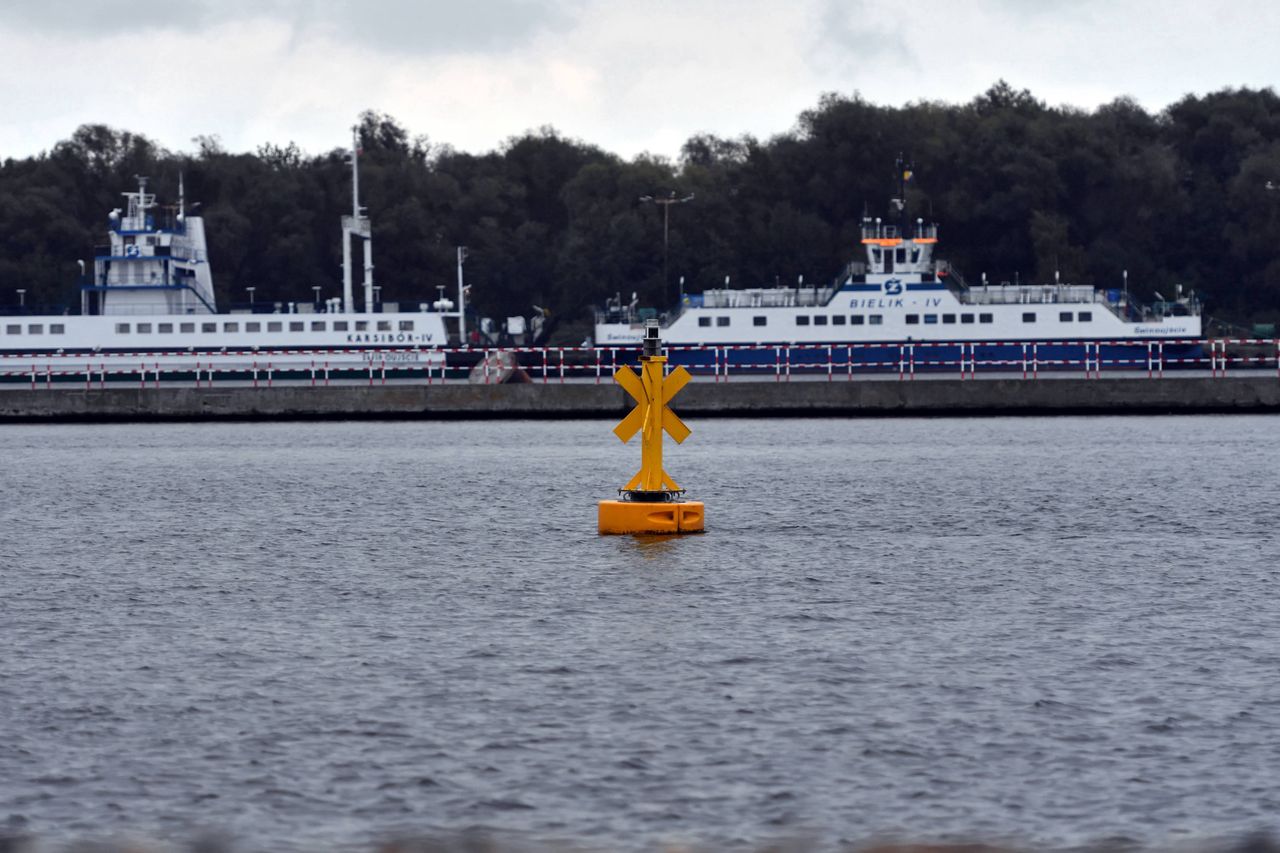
x=632 y=77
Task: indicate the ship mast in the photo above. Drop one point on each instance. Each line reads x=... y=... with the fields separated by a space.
x=903 y=175
x=356 y=225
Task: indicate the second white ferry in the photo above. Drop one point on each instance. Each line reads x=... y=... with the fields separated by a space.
x=900 y=294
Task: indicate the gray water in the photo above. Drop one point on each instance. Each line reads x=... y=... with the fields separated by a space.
x=1047 y=631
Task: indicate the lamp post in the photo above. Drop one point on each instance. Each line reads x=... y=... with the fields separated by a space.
x=666 y=203
x=250 y=291
x=22 y=298
x=315 y=288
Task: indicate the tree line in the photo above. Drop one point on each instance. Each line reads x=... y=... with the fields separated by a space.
x=1021 y=190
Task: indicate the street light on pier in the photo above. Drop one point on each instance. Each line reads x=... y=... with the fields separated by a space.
x=315 y=288
x=250 y=291
x=22 y=297
x=666 y=203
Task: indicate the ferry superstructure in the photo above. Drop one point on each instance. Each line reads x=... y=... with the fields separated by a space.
x=900 y=293
x=152 y=293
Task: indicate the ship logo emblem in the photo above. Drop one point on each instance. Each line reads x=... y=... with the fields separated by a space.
x=893 y=287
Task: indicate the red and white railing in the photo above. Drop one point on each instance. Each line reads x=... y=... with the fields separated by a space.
x=778 y=363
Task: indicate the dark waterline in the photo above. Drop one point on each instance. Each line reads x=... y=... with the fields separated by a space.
x=1051 y=631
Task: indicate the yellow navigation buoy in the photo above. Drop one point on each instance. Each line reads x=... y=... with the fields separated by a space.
x=651 y=502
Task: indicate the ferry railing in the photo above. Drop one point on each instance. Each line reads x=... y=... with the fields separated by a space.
x=967 y=359
x=319 y=367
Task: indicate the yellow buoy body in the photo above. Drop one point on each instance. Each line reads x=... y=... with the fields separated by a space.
x=655 y=517
x=655 y=506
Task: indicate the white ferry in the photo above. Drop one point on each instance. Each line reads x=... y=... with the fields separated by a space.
x=152 y=295
x=901 y=295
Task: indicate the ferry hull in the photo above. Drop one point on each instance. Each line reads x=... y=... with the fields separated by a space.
x=927 y=357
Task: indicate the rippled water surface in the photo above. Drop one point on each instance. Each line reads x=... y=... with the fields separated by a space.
x=1054 y=630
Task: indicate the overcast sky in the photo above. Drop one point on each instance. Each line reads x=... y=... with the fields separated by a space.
x=628 y=76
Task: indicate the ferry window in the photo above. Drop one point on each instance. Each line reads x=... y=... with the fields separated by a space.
x=208 y=328
x=759 y=321
x=875 y=256
x=230 y=327
x=1064 y=316
x=819 y=319
x=406 y=325
x=722 y=321
x=931 y=319
x=144 y=328
x=384 y=325
x=857 y=320
x=57 y=329
x=802 y=319
x=339 y=325
x=317 y=325
x=1029 y=317
x=187 y=328
x=985 y=318
x=13 y=330
x=35 y=329
x=296 y=326
x=122 y=328
x=838 y=319
x=1085 y=316
x=274 y=327
x=900 y=255
x=704 y=321
x=253 y=327
x=876 y=319
x=966 y=318
x=165 y=328
x=362 y=325
x=913 y=319
x=948 y=318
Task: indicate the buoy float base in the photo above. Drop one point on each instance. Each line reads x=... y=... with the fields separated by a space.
x=656 y=517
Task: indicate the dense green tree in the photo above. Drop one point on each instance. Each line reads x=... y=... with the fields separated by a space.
x=1021 y=189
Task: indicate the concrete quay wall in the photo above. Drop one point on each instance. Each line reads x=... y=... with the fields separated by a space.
x=932 y=397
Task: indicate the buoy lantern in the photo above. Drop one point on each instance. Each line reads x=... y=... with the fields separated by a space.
x=651 y=502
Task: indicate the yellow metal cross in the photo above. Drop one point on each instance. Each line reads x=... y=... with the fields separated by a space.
x=652 y=391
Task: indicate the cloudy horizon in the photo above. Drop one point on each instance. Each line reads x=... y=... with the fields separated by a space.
x=638 y=78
